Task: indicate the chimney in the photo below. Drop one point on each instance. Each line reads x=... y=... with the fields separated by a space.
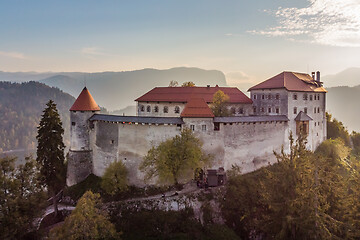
x=318 y=76
x=313 y=75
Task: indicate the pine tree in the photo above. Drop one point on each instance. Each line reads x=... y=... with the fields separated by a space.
x=50 y=151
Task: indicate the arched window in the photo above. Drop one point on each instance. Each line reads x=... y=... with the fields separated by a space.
x=277 y=96
x=166 y=109
x=269 y=96
x=142 y=108
x=156 y=109
x=233 y=111
x=241 y=111
x=148 y=108
x=177 y=109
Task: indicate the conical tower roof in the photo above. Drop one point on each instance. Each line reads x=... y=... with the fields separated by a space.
x=85 y=102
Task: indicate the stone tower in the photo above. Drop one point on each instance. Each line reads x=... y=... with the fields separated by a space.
x=80 y=153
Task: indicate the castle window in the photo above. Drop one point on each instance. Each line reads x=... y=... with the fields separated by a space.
x=295 y=96
x=305 y=96
x=177 y=109
x=269 y=96
x=254 y=109
x=192 y=127
x=295 y=110
x=277 y=96
x=241 y=111
x=82 y=111
x=156 y=109
x=216 y=126
x=263 y=96
x=166 y=109
x=315 y=124
x=112 y=141
x=277 y=110
x=142 y=108
x=310 y=97
x=73 y=123
x=269 y=110
x=262 y=109
x=233 y=111
x=203 y=128
x=318 y=110
x=148 y=109
x=254 y=96
x=305 y=110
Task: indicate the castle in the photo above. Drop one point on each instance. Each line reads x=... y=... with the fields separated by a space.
x=259 y=125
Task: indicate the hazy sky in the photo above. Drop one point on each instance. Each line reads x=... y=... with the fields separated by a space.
x=247 y=40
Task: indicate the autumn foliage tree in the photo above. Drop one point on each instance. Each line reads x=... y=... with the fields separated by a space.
x=219 y=104
x=188 y=84
x=175 y=158
x=87 y=221
x=50 y=151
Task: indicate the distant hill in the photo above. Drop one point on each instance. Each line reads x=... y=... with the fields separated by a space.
x=342 y=103
x=21 y=107
x=116 y=90
x=128 y=111
x=349 y=77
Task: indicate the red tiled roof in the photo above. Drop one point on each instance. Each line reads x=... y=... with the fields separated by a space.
x=291 y=81
x=85 y=102
x=197 y=107
x=183 y=94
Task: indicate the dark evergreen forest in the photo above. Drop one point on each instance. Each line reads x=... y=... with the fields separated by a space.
x=21 y=107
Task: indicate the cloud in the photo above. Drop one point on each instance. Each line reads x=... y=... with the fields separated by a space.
x=327 y=22
x=240 y=80
x=239 y=76
x=15 y=55
x=92 y=51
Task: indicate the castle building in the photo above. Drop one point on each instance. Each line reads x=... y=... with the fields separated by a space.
x=259 y=125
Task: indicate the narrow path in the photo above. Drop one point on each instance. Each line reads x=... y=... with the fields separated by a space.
x=49 y=210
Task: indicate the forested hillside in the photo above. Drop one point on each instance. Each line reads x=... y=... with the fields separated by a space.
x=21 y=106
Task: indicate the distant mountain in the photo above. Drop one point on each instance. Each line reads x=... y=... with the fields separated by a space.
x=342 y=103
x=21 y=107
x=24 y=76
x=349 y=77
x=128 y=111
x=116 y=90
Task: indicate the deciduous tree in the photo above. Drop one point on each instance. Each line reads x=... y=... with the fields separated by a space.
x=219 y=103
x=114 y=180
x=50 y=151
x=188 y=84
x=173 y=83
x=174 y=159
x=87 y=221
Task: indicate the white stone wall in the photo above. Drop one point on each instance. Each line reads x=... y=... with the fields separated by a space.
x=131 y=145
x=79 y=130
x=262 y=102
x=248 y=145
